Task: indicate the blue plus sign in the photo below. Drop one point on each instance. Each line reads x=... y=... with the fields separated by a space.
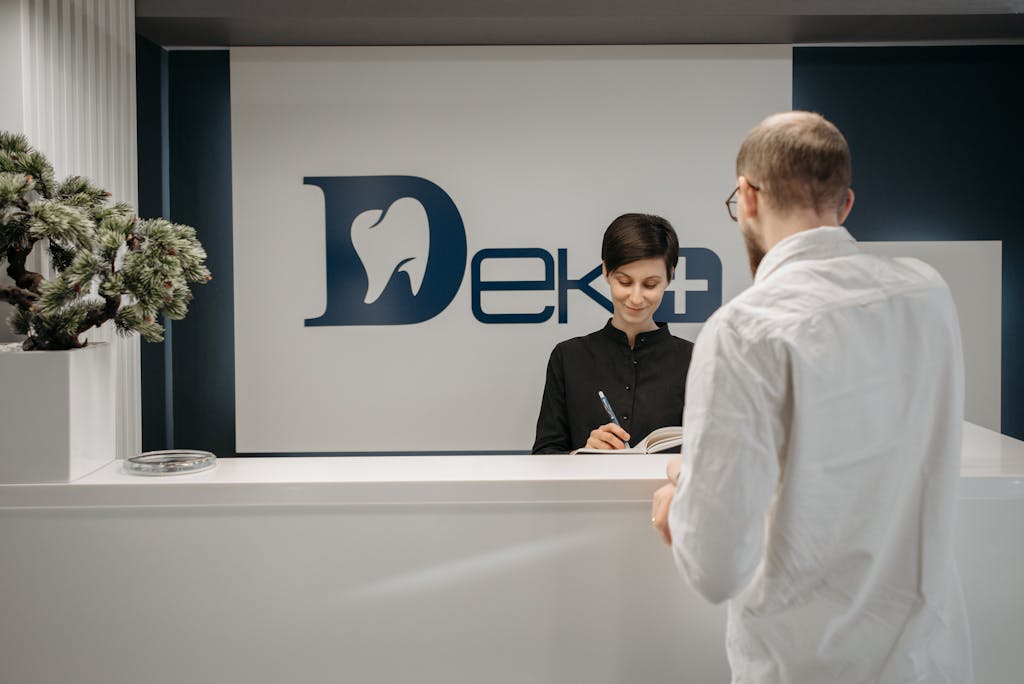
x=697 y=290
x=681 y=285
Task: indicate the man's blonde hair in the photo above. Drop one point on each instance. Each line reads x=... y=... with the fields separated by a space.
x=799 y=160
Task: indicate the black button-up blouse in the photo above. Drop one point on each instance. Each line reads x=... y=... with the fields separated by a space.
x=645 y=386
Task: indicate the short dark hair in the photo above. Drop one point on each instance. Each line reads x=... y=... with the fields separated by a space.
x=632 y=237
x=800 y=160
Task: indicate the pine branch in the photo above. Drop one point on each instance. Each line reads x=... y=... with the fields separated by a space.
x=15 y=143
x=17 y=296
x=57 y=221
x=77 y=191
x=56 y=292
x=134 y=318
x=21 y=321
x=34 y=164
x=13 y=187
x=60 y=256
x=100 y=314
x=55 y=329
x=22 y=277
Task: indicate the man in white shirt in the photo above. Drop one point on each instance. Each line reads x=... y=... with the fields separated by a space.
x=822 y=433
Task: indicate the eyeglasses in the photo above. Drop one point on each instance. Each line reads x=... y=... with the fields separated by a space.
x=730 y=204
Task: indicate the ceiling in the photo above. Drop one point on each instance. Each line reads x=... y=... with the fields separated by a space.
x=207 y=23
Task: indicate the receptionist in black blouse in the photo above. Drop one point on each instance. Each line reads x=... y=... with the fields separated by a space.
x=638 y=364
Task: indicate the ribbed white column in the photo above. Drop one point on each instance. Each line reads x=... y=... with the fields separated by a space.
x=78 y=94
x=12 y=110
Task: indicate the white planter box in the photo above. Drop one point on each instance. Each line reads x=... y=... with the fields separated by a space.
x=57 y=413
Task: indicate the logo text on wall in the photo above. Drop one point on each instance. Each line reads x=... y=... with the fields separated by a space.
x=396 y=254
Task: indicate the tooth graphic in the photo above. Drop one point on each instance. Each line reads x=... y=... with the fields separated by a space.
x=396 y=239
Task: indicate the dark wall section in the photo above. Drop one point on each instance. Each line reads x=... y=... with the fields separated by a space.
x=937 y=144
x=151 y=108
x=184 y=138
x=199 y=109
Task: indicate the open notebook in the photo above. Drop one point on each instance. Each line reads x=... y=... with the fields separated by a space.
x=663 y=439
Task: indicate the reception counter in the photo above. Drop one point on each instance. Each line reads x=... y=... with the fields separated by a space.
x=394 y=569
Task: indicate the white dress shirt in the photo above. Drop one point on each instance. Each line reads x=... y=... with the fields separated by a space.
x=821 y=461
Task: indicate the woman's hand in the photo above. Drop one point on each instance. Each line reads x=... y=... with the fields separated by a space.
x=608 y=436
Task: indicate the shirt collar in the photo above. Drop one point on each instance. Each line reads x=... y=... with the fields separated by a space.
x=613 y=333
x=824 y=242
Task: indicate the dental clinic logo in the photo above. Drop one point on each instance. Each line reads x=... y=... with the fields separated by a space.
x=396 y=255
x=396 y=249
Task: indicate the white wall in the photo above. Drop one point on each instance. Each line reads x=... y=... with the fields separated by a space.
x=69 y=85
x=538 y=148
x=974 y=272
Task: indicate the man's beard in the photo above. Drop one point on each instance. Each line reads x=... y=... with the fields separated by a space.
x=754 y=252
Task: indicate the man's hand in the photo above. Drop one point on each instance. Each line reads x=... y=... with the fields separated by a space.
x=672 y=469
x=659 y=510
x=608 y=436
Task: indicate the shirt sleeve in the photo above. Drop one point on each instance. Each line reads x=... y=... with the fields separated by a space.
x=553 y=422
x=733 y=434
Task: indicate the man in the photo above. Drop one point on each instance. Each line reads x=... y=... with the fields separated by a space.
x=822 y=432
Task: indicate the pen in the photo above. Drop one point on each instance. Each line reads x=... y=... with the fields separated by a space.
x=608 y=410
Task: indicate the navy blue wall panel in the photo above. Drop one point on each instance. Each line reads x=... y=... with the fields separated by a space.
x=199 y=99
x=151 y=112
x=937 y=146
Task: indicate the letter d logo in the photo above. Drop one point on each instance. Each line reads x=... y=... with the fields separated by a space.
x=396 y=249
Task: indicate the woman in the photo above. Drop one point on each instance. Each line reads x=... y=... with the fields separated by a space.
x=636 y=362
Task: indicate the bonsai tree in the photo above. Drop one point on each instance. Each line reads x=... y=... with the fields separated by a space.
x=108 y=264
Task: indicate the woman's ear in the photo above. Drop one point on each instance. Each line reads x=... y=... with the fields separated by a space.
x=671 y=274
x=604 y=271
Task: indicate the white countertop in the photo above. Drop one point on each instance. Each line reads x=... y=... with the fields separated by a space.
x=993 y=467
